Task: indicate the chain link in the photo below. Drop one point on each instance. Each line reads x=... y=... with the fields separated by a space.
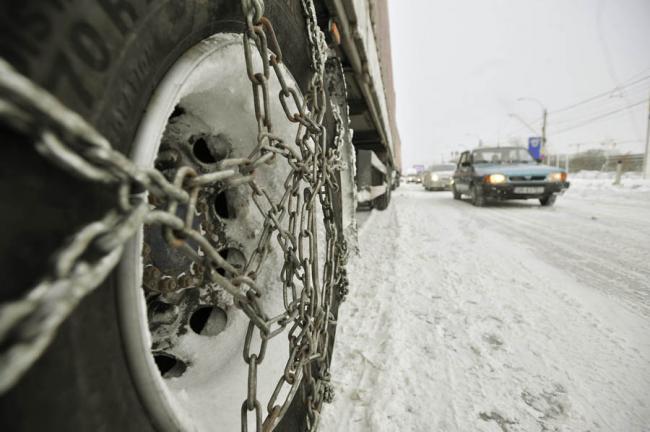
x=311 y=284
x=309 y=309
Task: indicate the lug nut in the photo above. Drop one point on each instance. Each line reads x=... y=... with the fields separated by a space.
x=150 y=278
x=166 y=285
x=184 y=281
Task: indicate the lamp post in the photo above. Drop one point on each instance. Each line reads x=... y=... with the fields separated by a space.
x=524 y=122
x=544 y=116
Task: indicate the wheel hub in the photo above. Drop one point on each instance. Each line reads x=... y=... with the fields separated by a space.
x=201 y=117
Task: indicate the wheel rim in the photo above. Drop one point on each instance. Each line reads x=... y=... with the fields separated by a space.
x=197 y=335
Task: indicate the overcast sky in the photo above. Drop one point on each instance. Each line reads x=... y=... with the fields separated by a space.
x=461 y=65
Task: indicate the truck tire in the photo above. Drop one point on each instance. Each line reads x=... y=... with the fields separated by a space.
x=382 y=202
x=103 y=59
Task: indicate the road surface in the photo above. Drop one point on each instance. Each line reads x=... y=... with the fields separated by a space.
x=506 y=318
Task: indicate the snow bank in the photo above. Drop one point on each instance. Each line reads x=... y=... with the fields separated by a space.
x=598 y=180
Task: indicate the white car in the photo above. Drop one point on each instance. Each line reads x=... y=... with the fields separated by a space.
x=438 y=177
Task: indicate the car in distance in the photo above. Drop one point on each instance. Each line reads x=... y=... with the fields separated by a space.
x=438 y=177
x=506 y=173
x=413 y=178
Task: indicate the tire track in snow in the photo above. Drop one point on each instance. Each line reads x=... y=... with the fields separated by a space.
x=637 y=360
x=583 y=243
x=581 y=256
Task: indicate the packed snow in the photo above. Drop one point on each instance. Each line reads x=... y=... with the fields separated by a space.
x=507 y=318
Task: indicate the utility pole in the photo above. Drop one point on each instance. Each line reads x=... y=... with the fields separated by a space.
x=646 y=156
x=544 y=118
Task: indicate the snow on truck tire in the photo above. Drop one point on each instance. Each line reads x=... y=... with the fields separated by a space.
x=153 y=347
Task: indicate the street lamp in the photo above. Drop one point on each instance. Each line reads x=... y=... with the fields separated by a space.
x=544 y=115
x=524 y=122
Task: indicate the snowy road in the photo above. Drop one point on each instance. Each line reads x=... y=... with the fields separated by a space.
x=506 y=318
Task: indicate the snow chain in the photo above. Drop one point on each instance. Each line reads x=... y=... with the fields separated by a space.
x=28 y=325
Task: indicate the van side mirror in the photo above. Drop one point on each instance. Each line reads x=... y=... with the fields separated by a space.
x=465 y=164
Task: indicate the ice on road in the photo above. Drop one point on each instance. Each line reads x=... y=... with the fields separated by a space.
x=512 y=317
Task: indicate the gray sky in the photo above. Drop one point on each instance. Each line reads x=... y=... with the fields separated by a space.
x=461 y=65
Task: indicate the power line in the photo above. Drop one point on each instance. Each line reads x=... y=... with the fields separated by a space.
x=632 y=81
x=607 y=93
x=598 y=117
x=606 y=106
x=591 y=142
x=593 y=119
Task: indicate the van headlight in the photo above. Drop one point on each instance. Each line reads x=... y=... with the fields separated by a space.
x=556 y=177
x=434 y=177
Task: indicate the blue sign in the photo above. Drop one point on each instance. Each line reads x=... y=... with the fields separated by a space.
x=535 y=147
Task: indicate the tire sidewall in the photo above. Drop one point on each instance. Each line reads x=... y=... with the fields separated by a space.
x=477 y=196
x=457 y=195
x=103 y=60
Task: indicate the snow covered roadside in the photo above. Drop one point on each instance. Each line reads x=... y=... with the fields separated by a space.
x=603 y=181
x=506 y=318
